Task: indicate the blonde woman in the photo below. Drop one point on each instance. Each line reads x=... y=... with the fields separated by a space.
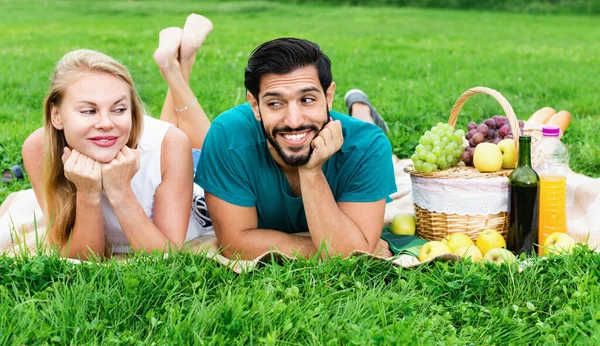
x=113 y=180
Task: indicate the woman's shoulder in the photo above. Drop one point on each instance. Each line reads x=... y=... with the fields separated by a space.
x=153 y=133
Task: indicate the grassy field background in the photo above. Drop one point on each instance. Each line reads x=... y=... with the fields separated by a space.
x=413 y=63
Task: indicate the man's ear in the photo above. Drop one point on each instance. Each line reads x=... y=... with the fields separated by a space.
x=254 y=104
x=329 y=94
x=55 y=117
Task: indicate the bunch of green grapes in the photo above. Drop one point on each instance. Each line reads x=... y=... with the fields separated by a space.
x=439 y=148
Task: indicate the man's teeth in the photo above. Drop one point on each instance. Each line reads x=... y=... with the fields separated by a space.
x=295 y=137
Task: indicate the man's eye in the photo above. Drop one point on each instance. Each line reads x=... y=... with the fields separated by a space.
x=274 y=104
x=308 y=100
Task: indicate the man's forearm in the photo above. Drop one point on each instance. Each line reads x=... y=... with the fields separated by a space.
x=326 y=222
x=256 y=242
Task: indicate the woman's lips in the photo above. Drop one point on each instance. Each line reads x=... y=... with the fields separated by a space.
x=104 y=141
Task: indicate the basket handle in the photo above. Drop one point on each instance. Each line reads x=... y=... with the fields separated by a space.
x=510 y=113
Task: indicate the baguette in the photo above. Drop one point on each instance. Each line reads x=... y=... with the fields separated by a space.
x=542 y=115
x=560 y=119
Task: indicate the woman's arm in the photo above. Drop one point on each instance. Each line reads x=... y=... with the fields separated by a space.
x=172 y=199
x=87 y=235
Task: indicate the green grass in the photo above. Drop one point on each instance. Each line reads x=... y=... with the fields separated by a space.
x=413 y=64
x=188 y=299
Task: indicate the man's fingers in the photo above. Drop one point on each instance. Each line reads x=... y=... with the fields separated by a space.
x=318 y=143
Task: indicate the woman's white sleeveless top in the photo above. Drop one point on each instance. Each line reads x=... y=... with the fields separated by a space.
x=144 y=185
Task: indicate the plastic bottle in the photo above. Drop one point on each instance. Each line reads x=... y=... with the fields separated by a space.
x=552 y=169
x=523 y=218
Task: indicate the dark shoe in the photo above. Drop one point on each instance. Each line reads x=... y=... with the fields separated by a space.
x=12 y=174
x=355 y=95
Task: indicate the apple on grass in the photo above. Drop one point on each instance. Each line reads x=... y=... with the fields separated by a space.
x=471 y=251
x=507 y=147
x=500 y=256
x=403 y=224
x=487 y=157
x=433 y=249
x=489 y=239
x=457 y=240
x=556 y=243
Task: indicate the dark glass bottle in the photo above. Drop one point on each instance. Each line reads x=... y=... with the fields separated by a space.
x=524 y=190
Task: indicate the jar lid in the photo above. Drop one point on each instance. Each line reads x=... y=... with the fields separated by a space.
x=551 y=131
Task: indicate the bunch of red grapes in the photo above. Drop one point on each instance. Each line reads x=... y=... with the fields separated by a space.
x=491 y=130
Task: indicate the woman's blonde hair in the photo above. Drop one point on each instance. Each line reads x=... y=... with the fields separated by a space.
x=59 y=192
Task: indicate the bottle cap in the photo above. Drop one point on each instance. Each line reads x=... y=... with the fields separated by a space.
x=551 y=131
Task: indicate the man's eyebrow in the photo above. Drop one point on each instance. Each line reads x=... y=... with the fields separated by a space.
x=305 y=90
x=271 y=93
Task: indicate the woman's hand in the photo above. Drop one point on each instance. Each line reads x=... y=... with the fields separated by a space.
x=83 y=171
x=117 y=174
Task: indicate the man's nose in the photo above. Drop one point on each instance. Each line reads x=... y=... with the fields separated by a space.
x=294 y=117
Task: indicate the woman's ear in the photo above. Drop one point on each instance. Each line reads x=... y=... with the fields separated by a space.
x=55 y=117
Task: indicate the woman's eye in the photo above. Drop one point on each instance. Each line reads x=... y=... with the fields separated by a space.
x=87 y=111
x=120 y=110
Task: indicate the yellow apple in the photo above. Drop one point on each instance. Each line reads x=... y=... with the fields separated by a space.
x=507 y=147
x=487 y=157
x=500 y=256
x=433 y=249
x=470 y=251
x=403 y=224
x=489 y=239
x=457 y=240
x=557 y=243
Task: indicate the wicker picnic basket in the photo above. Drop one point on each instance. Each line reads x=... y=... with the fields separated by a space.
x=436 y=224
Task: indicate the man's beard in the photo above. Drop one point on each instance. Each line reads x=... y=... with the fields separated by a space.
x=292 y=160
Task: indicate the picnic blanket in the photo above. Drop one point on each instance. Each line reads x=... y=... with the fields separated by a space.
x=21 y=216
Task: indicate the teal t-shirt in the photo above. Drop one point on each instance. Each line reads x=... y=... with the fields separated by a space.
x=236 y=166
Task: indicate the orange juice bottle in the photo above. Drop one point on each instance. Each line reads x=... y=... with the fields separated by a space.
x=553 y=184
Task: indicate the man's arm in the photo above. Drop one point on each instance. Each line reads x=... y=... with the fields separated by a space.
x=345 y=227
x=236 y=229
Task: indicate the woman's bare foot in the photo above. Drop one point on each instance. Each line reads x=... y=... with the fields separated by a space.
x=195 y=31
x=167 y=53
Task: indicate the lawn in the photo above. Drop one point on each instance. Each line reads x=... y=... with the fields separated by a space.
x=413 y=63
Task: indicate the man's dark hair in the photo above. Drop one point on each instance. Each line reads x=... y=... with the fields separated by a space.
x=284 y=55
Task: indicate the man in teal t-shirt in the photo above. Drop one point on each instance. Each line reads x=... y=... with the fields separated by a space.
x=283 y=164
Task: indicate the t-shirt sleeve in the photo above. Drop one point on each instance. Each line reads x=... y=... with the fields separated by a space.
x=218 y=170
x=373 y=178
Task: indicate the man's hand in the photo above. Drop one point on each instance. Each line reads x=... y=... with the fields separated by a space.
x=117 y=174
x=82 y=171
x=328 y=142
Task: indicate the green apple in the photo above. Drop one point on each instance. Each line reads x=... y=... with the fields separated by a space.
x=500 y=256
x=403 y=224
x=556 y=243
x=507 y=147
x=433 y=249
x=490 y=239
x=457 y=240
x=487 y=157
x=471 y=251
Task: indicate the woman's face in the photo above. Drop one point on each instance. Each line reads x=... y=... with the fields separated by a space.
x=95 y=115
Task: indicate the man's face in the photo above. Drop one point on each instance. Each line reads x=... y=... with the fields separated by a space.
x=293 y=108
